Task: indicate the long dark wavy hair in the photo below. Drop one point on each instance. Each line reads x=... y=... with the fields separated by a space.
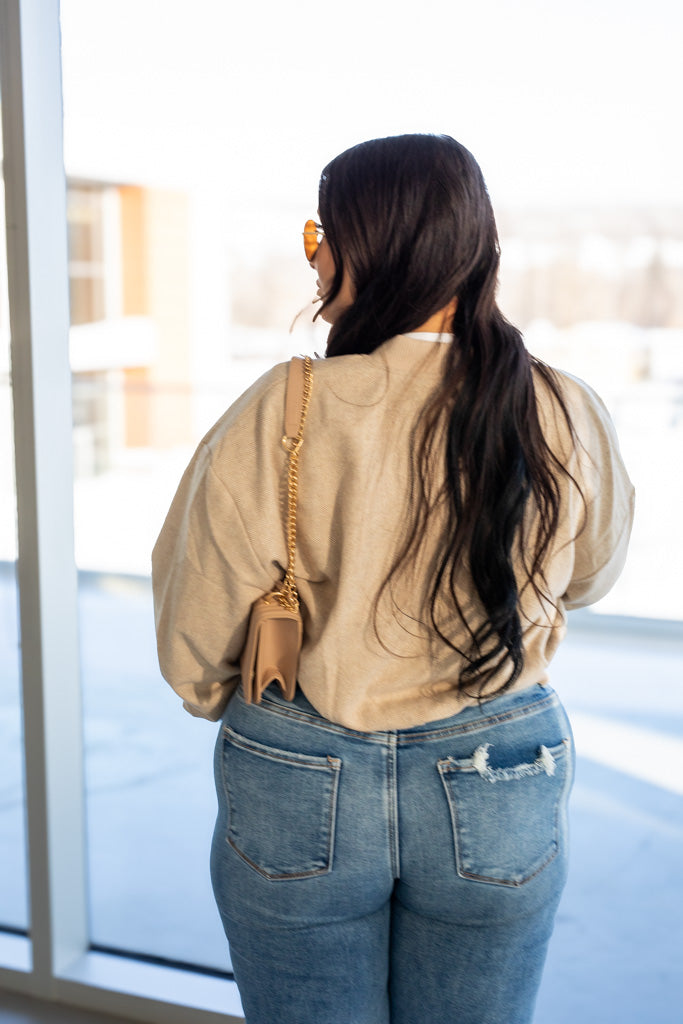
x=410 y=219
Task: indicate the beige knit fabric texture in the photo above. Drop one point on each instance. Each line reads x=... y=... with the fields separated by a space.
x=223 y=543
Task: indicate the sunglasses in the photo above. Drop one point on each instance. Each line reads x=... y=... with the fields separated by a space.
x=313 y=236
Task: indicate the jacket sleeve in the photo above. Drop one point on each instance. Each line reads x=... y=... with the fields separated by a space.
x=601 y=543
x=205 y=578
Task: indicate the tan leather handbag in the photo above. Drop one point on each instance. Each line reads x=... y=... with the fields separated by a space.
x=275 y=634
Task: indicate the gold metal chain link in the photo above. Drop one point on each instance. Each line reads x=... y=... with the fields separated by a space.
x=288 y=595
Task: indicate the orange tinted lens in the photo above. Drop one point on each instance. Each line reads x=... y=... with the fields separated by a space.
x=310 y=239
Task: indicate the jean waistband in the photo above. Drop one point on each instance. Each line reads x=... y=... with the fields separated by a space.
x=507 y=707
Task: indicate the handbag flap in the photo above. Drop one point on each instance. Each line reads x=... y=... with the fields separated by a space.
x=271 y=651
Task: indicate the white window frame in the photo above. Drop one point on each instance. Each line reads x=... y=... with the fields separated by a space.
x=56 y=961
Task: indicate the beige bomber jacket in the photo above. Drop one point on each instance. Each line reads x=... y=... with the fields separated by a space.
x=223 y=542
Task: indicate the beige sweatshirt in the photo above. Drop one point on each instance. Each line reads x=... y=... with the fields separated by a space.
x=223 y=542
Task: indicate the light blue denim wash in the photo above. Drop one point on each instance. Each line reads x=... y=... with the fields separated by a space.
x=409 y=877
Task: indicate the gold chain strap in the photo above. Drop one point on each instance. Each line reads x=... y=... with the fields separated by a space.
x=288 y=595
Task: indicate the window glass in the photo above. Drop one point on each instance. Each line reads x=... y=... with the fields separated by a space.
x=599 y=292
x=86 y=215
x=13 y=877
x=193 y=148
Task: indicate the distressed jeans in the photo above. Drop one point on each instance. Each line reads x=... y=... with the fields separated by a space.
x=409 y=877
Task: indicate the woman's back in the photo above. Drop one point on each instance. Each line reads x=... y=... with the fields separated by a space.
x=389 y=847
x=370 y=660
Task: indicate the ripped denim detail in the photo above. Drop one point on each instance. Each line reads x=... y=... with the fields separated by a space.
x=545 y=762
x=506 y=834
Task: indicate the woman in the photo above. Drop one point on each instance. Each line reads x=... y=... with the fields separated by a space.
x=392 y=844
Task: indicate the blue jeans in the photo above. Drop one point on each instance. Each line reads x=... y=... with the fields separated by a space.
x=409 y=877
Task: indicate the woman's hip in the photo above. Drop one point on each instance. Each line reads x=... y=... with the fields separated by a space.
x=474 y=802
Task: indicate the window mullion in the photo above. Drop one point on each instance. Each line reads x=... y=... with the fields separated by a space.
x=35 y=195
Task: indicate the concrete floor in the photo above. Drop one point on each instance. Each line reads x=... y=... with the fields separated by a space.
x=17 y=1009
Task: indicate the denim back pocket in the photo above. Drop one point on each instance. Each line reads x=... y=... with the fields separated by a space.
x=508 y=821
x=282 y=807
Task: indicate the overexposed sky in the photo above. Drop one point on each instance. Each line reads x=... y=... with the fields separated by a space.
x=560 y=103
